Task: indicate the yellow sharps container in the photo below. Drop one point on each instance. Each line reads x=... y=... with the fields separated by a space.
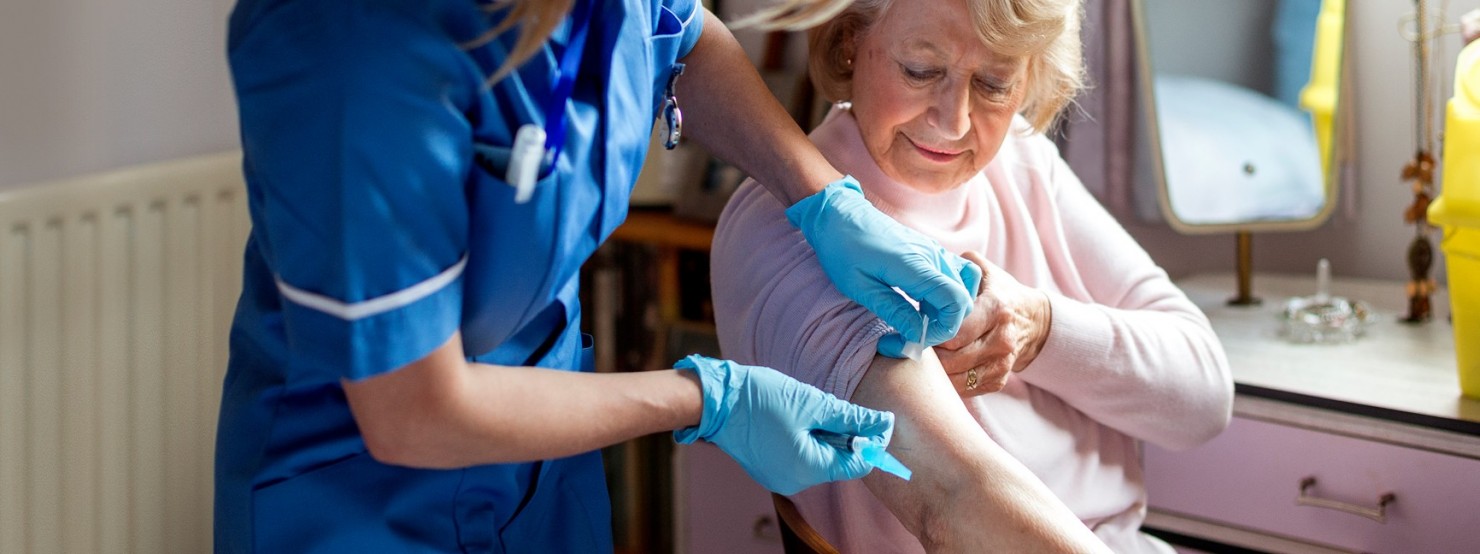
x=1458 y=210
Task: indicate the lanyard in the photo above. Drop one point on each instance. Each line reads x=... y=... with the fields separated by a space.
x=535 y=149
x=565 y=80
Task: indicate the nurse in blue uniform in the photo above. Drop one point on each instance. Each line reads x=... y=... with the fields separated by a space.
x=407 y=372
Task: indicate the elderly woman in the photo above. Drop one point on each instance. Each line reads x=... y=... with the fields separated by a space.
x=1084 y=344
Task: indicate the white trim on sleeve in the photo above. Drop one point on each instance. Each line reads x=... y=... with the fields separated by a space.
x=365 y=308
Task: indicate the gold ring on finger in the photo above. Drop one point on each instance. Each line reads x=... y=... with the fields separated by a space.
x=971 y=379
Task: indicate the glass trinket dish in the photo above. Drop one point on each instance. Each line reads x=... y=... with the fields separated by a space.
x=1322 y=318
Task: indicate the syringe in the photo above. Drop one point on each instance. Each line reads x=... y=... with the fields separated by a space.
x=846 y=443
x=871 y=450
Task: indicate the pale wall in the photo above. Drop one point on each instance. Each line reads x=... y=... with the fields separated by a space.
x=89 y=85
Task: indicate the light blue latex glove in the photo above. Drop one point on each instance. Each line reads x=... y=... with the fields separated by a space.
x=865 y=253
x=764 y=420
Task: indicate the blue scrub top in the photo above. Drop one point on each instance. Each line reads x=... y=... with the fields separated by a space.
x=376 y=236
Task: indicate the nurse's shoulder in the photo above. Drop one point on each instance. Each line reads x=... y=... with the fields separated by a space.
x=315 y=26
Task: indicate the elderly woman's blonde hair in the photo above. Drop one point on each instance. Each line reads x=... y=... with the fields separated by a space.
x=1046 y=31
x=536 y=21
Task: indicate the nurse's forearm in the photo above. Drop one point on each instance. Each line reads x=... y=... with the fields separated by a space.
x=442 y=412
x=967 y=494
x=729 y=111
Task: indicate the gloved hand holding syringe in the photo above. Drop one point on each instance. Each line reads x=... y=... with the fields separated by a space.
x=769 y=424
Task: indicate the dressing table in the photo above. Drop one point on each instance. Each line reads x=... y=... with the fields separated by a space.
x=1364 y=446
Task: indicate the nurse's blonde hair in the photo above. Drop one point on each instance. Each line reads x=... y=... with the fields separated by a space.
x=1046 y=31
x=536 y=21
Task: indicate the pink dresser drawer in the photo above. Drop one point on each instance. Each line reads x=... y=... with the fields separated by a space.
x=721 y=510
x=1251 y=475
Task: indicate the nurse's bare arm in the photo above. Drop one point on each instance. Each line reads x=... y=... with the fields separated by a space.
x=444 y=412
x=729 y=111
x=967 y=494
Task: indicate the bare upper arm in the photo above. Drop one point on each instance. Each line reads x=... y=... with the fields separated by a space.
x=967 y=493
x=933 y=433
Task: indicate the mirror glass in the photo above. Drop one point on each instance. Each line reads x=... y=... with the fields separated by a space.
x=1240 y=99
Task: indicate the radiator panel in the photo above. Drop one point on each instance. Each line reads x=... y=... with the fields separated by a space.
x=116 y=293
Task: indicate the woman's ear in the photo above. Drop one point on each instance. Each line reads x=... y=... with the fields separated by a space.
x=847 y=51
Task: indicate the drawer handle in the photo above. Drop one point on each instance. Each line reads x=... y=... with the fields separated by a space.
x=1378 y=514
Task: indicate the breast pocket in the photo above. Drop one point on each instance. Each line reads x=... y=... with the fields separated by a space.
x=511 y=258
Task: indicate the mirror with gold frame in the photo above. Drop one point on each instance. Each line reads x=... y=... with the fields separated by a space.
x=1240 y=100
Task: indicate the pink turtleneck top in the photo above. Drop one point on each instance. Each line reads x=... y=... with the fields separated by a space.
x=1128 y=357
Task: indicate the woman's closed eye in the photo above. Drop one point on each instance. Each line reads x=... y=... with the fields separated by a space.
x=992 y=89
x=920 y=75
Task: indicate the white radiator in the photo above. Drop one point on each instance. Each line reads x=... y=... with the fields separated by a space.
x=116 y=295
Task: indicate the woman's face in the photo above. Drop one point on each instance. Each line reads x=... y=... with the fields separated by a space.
x=932 y=101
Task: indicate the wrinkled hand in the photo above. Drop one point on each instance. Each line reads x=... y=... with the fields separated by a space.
x=1003 y=334
x=764 y=420
x=866 y=253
